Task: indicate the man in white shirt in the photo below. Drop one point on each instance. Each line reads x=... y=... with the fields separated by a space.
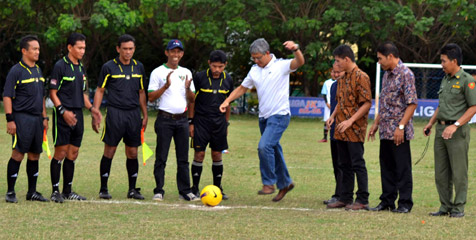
x=270 y=76
x=171 y=84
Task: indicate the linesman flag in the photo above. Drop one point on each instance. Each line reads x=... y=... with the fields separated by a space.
x=45 y=145
x=146 y=151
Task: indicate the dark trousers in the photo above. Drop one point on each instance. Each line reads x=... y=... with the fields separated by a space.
x=166 y=129
x=396 y=173
x=352 y=164
x=337 y=171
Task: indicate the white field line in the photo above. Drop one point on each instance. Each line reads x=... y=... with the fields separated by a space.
x=195 y=207
x=431 y=170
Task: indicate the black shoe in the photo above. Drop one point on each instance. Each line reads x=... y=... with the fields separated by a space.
x=135 y=194
x=401 y=210
x=36 y=196
x=11 y=197
x=224 y=196
x=382 y=207
x=457 y=215
x=438 y=214
x=57 y=197
x=331 y=200
x=73 y=196
x=104 y=194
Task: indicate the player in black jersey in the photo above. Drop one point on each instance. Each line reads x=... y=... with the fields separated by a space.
x=69 y=93
x=208 y=124
x=24 y=103
x=123 y=77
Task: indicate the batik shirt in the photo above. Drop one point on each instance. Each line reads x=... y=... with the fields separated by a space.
x=353 y=90
x=398 y=91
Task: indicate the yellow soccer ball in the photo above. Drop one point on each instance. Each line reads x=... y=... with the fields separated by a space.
x=211 y=195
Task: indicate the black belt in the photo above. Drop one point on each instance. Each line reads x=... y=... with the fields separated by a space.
x=172 y=116
x=446 y=122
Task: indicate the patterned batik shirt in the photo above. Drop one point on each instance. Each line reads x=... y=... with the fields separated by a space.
x=353 y=90
x=398 y=91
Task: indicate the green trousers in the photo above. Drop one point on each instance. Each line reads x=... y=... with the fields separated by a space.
x=451 y=168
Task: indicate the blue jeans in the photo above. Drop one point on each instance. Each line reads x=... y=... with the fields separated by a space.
x=272 y=166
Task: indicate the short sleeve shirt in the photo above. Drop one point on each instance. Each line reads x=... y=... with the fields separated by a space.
x=457 y=93
x=353 y=90
x=326 y=88
x=174 y=99
x=123 y=83
x=26 y=86
x=272 y=85
x=398 y=91
x=211 y=92
x=71 y=82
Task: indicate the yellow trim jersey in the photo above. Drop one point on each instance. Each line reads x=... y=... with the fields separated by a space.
x=122 y=83
x=26 y=86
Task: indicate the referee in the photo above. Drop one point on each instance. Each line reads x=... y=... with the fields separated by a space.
x=24 y=103
x=123 y=77
x=207 y=123
x=69 y=93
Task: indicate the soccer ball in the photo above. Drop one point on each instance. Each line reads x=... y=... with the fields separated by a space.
x=211 y=195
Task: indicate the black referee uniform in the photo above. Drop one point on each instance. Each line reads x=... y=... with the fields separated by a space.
x=70 y=81
x=123 y=117
x=210 y=125
x=25 y=86
x=123 y=114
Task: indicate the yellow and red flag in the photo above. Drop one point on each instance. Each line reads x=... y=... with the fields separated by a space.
x=146 y=151
x=45 y=145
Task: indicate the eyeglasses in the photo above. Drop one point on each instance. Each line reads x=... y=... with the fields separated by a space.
x=256 y=59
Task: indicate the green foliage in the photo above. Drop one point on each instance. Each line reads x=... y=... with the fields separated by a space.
x=418 y=27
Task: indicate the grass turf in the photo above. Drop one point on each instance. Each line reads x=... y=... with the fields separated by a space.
x=300 y=215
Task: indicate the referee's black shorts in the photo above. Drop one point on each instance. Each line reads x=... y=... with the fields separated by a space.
x=211 y=130
x=122 y=124
x=64 y=134
x=29 y=134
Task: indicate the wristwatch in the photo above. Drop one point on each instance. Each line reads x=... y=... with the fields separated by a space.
x=401 y=126
x=457 y=124
x=295 y=50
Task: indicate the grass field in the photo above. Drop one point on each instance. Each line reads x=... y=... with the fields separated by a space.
x=300 y=215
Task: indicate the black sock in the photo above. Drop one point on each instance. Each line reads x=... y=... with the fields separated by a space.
x=12 y=174
x=68 y=173
x=196 y=174
x=55 y=171
x=32 y=172
x=217 y=170
x=132 y=166
x=104 y=170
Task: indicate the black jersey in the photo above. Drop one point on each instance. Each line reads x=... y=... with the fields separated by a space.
x=70 y=81
x=210 y=92
x=122 y=82
x=26 y=86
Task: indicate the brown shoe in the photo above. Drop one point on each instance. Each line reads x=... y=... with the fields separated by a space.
x=267 y=189
x=282 y=192
x=337 y=204
x=357 y=206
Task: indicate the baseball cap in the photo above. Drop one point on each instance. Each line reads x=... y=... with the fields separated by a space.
x=174 y=43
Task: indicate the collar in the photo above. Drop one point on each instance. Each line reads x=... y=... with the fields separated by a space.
x=271 y=62
x=118 y=61
x=25 y=65
x=68 y=61
x=397 y=68
x=457 y=74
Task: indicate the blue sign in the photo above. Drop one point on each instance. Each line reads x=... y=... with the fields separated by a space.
x=314 y=107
